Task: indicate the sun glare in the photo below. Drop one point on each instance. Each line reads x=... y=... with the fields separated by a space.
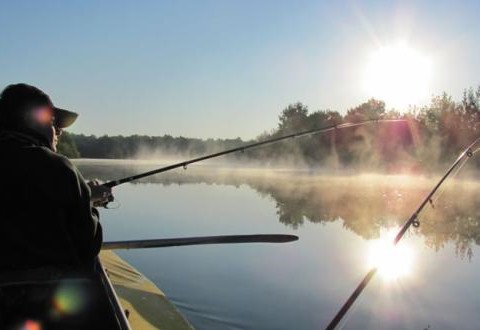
x=392 y=261
x=398 y=75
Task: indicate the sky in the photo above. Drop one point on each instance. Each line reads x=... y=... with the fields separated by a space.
x=225 y=69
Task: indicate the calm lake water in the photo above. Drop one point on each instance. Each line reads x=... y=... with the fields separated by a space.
x=301 y=285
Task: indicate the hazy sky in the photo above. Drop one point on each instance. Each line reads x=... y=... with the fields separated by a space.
x=222 y=68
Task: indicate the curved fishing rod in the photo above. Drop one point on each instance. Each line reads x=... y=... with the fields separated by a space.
x=184 y=164
x=412 y=221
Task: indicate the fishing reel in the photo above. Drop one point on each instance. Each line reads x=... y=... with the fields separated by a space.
x=101 y=195
x=108 y=203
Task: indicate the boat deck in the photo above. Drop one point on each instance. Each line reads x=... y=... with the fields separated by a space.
x=147 y=305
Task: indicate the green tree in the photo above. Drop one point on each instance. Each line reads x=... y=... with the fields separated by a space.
x=372 y=109
x=67 y=147
x=294 y=118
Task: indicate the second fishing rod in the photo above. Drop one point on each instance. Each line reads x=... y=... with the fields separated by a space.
x=414 y=221
x=244 y=147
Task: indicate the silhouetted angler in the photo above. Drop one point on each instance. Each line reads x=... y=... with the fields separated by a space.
x=46 y=218
x=50 y=234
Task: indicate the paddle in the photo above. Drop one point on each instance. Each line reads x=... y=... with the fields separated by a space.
x=226 y=239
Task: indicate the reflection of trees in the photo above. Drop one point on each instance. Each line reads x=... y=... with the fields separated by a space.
x=456 y=220
x=364 y=204
x=290 y=213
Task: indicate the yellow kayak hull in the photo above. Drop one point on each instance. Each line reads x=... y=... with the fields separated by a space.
x=147 y=306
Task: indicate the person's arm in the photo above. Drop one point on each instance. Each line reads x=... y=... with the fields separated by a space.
x=82 y=220
x=94 y=231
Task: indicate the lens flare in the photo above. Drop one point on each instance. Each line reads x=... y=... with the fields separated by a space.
x=392 y=261
x=30 y=325
x=44 y=115
x=69 y=299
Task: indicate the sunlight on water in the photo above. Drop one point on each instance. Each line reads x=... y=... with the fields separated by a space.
x=392 y=261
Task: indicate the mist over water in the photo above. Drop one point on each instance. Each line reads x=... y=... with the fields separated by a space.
x=299 y=285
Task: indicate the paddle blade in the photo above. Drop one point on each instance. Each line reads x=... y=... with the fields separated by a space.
x=227 y=239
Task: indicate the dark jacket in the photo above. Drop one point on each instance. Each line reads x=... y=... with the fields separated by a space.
x=45 y=213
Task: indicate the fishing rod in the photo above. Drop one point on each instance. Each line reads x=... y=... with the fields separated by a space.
x=226 y=239
x=184 y=164
x=412 y=221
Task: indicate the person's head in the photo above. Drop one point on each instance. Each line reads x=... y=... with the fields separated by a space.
x=26 y=109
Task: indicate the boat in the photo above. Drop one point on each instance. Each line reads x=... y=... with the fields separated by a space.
x=145 y=304
x=50 y=298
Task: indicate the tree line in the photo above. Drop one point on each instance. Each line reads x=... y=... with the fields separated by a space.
x=431 y=135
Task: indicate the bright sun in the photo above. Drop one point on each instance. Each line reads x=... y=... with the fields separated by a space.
x=398 y=75
x=392 y=261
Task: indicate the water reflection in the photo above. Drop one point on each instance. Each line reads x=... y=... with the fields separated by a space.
x=299 y=285
x=392 y=261
x=365 y=205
